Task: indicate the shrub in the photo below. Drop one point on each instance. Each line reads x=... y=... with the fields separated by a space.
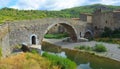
x=26 y=61
x=83 y=47
x=107 y=32
x=108 y=40
x=56 y=36
x=99 y=48
x=63 y=63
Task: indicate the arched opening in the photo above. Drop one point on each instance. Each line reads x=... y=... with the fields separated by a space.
x=33 y=40
x=69 y=28
x=88 y=35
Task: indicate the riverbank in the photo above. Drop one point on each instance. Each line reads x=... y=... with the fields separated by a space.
x=113 y=52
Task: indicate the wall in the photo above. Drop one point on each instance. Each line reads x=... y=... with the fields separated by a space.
x=102 y=20
x=20 y=32
x=4 y=40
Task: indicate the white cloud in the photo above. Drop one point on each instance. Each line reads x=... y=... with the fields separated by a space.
x=62 y=4
x=57 y=4
x=4 y=2
x=110 y=2
x=107 y=2
x=47 y=4
x=28 y=4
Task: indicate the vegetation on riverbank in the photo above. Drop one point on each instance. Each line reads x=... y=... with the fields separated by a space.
x=96 y=61
x=26 y=61
x=96 y=48
x=56 y=36
x=108 y=40
x=62 y=63
x=109 y=36
x=35 y=61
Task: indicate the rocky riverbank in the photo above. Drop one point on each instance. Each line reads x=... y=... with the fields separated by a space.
x=113 y=52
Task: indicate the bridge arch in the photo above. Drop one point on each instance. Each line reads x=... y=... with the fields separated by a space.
x=88 y=34
x=70 y=29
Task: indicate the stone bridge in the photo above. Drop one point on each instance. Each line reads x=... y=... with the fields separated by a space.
x=33 y=31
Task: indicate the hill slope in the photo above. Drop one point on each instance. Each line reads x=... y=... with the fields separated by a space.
x=8 y=14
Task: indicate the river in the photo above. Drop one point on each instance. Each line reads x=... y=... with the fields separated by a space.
x=84 y=60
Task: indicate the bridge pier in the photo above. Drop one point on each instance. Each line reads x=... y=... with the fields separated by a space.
x=36 y=47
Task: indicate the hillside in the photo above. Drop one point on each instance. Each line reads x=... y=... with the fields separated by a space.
x=9 y=14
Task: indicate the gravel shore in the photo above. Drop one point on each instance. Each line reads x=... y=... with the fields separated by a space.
x=113 y=51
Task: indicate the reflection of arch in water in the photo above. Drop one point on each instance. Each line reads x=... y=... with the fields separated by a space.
x=33 y=39
x=88 y=34
x=70 y=29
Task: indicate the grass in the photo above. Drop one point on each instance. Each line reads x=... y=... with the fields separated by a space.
x=56 y=36
x=100 y=48
x=26 y=61
x=63 y=63
x=96 y=48
x=108 y=40
x=34 y=61
x=83 y=47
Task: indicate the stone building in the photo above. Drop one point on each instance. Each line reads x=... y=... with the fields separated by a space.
x=102 y=19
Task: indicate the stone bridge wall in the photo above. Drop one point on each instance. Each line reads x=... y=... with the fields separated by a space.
x=21 y=31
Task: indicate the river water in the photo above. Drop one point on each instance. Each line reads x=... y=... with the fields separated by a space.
x=84 y=60
x=92 y=63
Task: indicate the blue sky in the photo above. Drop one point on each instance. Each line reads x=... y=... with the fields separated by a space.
x=52 y=4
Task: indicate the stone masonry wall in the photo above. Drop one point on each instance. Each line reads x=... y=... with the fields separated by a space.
x=19 y=32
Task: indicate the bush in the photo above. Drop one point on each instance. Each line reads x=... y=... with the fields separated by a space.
x=83 y=47
x=108 y=40
x=56 y=36
x=99 y=48
x=63 y=63
x=107 y=32
x=26 y=61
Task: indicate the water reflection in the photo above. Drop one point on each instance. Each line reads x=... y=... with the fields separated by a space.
x=84 y=66
x=87 y=61
x=62 y=54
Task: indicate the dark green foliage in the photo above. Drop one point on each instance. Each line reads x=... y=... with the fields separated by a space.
x=64 y=63
x=56 y=36
x=111 y=33
x=109 y=40
x=107 y=32
x=97 y=48
x=100 y=48
x=83 y=47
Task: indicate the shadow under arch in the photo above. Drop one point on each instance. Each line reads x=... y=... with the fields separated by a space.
x=70 y=29
x=88 y=34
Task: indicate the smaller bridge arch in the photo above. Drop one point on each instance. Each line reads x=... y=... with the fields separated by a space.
x=88 y=34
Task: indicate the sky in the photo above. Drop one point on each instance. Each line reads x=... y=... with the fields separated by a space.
x=52 y=4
